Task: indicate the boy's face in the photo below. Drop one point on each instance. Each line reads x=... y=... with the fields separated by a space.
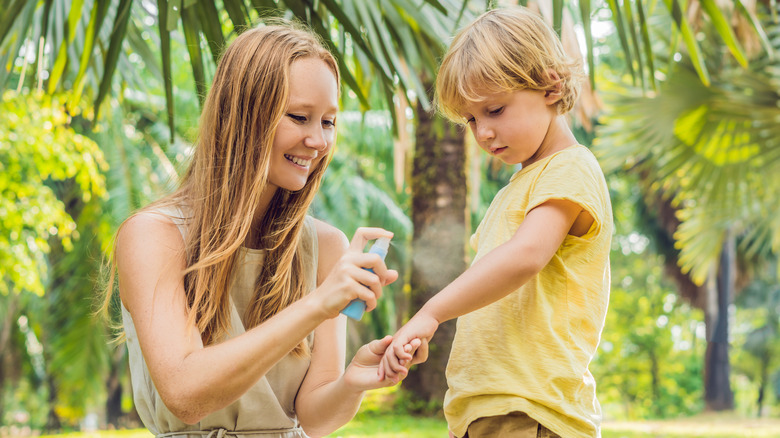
x=513 y=126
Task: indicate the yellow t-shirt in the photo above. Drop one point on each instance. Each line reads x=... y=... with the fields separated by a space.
x=530 y=350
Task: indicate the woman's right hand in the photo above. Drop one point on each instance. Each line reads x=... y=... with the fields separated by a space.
x=349 y=278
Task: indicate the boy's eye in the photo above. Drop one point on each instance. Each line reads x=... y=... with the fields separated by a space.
x=470 y=120
x=297 y=118
x=496 y=111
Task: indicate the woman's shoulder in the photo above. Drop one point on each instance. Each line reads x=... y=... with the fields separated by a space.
x=150 y=232
x=329 y=236
x=332 y=244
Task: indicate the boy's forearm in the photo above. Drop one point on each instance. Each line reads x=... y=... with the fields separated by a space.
x=491 y=278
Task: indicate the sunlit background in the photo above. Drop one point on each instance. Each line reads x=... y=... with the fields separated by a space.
x=99 y=111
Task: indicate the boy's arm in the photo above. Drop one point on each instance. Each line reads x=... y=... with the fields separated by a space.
x=494 y=276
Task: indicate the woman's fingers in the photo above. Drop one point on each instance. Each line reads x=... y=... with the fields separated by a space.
x=364 y=234
x=357 y=275
x=378 y=346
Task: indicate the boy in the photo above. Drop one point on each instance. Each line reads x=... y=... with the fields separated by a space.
x=533 y=303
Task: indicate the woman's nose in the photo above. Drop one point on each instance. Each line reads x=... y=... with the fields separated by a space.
x=318 y=140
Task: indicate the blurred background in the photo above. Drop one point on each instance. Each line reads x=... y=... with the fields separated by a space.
x=99 y=112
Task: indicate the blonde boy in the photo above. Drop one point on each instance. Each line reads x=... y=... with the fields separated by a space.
x=533 y=303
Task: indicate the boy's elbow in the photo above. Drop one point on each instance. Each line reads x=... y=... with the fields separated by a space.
x=522 y=272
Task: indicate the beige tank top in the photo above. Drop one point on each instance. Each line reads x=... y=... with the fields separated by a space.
x=267 y=410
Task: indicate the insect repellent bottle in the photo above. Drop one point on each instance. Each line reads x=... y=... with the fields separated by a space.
x=356 y=307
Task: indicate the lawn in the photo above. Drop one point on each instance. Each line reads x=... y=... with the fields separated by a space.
x=389 y=425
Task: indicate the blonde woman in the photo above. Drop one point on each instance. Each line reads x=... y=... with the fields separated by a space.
x=230 y=292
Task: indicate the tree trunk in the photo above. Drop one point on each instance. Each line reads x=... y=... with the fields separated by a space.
x=53 y=422
x=439 y=216
x=6 y=357
x=717 y=388
x=763 y=380
x=655 y=382
x=114 y=388
x=713 y=297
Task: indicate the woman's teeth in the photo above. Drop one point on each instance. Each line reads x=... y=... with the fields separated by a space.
x=298 y=161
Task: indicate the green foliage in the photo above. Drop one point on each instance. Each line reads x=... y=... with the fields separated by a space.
x=375 y=42
x=649 y=360
x=757 y=336
x=712 y=150
x=37 y=147
x=358 y=190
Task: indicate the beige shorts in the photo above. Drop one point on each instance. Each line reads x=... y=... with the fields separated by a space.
x=511 y=425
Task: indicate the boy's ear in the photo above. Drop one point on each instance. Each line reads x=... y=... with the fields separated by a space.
x=553 y=96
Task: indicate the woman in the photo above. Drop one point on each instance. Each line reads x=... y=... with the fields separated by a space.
x=230 y=293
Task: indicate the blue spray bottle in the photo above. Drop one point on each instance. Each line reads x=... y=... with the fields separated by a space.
x=356 y=307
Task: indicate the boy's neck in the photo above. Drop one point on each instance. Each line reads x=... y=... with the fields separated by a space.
x=558 y=138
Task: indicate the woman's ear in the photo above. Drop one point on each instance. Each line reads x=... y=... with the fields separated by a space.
x=553 y=96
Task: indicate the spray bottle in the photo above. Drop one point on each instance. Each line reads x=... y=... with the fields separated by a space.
x=356 y=307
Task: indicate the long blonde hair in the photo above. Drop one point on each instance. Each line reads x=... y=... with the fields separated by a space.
x=221 y=189
x=505 y=50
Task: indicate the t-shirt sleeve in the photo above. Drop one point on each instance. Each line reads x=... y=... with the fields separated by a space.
x=576 y=178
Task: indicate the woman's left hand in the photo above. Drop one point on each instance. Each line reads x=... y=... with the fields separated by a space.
x=361 y=373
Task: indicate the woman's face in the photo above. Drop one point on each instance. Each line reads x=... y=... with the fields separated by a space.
x=308 y=127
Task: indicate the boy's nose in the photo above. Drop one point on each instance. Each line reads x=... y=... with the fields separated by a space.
x=484 y=133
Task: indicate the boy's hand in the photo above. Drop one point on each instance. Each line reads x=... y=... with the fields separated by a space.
x=404 y=351
x=361 y=373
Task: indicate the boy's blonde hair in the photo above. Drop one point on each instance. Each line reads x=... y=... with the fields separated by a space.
x=505 y=50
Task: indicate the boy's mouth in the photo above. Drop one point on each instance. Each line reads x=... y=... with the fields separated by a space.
x=498 y=151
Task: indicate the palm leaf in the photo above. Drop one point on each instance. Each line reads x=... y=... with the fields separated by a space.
x=648 y=48
x=14 y=44
x=754 y=23
x=237 y=13
x=62 y=55
x=9 y=16
x=724 y=30
x=208 y=16
x=97 y=15
x=191 y=27
x=714 y=162
x=618 y=19
x=165 y=48
x=115 y=46
x=694 y=51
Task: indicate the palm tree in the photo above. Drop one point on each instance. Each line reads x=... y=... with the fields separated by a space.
x=712 y=174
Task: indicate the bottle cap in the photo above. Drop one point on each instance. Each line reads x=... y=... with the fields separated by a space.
x=382 y=243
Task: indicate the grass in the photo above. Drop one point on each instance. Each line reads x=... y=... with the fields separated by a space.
x=380 y=418
x=388 y=425
x=392 y=425
x=709 y=425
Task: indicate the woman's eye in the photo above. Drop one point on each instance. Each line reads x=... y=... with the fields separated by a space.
x=329 y=123
x=297 y=118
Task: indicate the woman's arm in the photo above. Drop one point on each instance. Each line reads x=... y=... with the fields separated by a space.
x=329 y=397
x=194 y=381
